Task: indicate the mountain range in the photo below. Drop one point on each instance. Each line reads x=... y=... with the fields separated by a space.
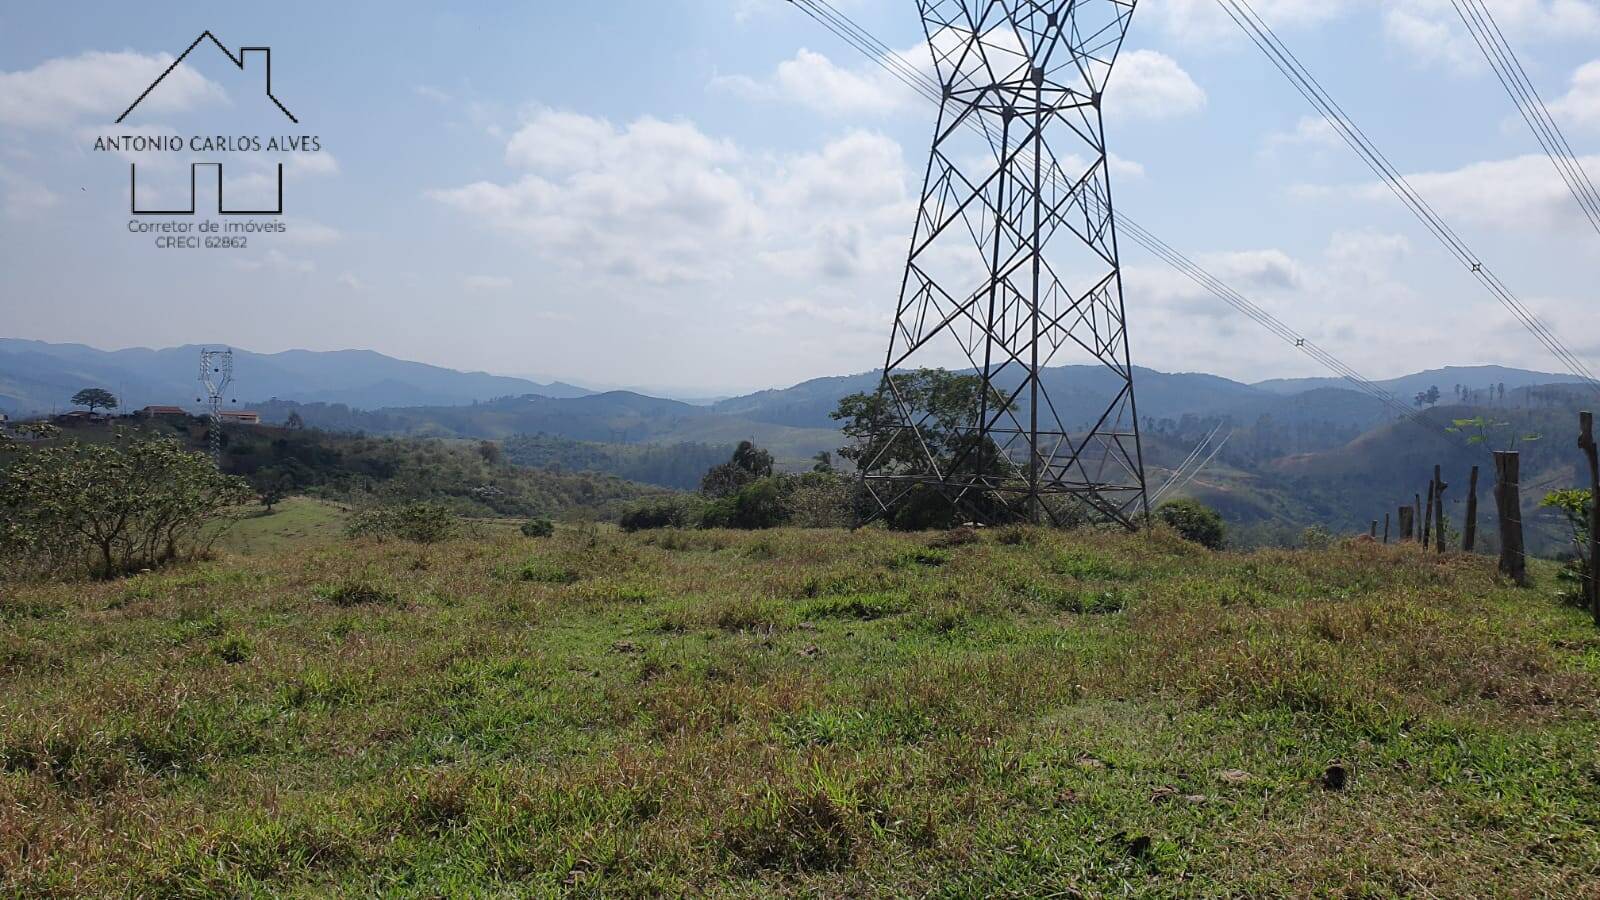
x=36 y=376
x=1296 y=452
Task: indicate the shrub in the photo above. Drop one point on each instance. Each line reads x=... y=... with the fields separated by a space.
x=542 y=571
x=538 y=528
x=822 y=500
x=666 y=512
x=755 y=506
x=1195 y=522
x=1316 y=537
x=424 y=523
x=128 y=504
x=355 y=592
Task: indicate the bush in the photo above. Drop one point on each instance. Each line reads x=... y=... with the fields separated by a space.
x=755 y=506
x=424 y=523
x=1195 y=522
x=667 y=512
x=126 y=504
x=822 y=500
x=538 y=528
x=1316 y=537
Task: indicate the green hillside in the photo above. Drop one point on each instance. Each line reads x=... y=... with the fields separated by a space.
x=356 y=469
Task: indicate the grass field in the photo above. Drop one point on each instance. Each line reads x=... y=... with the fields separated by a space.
x=296 y=523
x=799 y=713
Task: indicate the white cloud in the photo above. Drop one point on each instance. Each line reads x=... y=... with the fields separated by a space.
x=1581 y=105
x=61 y=92
x=663 y=202
x=1431 y=31
x=1145 y=84
x=1310 y=131
x=814 y=81
x=1203 y=21
x=655 y=201
x=1150 y=85
x=1511 y=195
x=307 y=232
x=22 y=196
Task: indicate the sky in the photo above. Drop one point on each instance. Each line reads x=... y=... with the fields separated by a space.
x=704 y=197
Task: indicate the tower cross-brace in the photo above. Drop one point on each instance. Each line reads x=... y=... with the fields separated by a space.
x=1013 y=269
x=216 y=373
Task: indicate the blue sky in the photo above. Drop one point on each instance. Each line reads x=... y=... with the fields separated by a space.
x=703 y=196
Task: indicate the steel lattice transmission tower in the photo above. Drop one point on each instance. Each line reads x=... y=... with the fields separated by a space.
x=1013 y=268
x=216 y=373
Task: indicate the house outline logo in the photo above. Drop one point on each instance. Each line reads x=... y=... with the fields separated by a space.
x=238 y=60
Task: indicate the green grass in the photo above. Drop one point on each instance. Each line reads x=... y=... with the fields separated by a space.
x=295 y=523
x=798 y=713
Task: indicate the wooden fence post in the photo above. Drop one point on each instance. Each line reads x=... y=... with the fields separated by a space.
x=1374 y=529
x=1469 y=530
x=1386 y=528
x=1407 y=523
x=1427 y=517
x=1416 y=516
x=1586 y=442
x=1438 y=508
x=1508 y=500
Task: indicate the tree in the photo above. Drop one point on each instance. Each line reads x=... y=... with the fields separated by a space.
x=755 y=506
x=1195 y=521
x=274 y=488
x=95 y=398
x=132 y=504
x=1429 y=397
x=1575 y=505
x=294 y=421
x=824 y=464
x=1482 y=431
x=749 y=464
x=489 y=452
x=945 y=405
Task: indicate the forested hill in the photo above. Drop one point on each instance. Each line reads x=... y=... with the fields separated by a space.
x=473 y=478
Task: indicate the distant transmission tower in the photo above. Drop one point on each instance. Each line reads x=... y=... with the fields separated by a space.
x=1013 y=268
x=216 y=373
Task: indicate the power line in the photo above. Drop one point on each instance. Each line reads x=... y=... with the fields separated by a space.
x=1284 y=59
x=1485 y=31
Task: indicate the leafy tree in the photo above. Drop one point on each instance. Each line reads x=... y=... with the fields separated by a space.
x=757 y=505
x=128 y=504
x=274 y=489
x=294 y=421
x=1482 y=431
x=1575 y=505
x=749 y=464
x=489 y=452
x=945 y=405
x=95 y=398
x=824 y=462
x=1195 y=521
